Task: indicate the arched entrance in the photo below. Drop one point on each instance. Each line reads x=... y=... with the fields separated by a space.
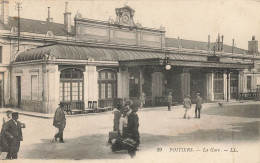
x=71 y=87
x=218 y=86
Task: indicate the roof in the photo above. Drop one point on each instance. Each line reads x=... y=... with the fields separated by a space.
x=37 y=26
x=190 y=44
x=105 y=54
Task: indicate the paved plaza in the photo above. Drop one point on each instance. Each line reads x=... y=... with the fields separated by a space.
x=223 y=134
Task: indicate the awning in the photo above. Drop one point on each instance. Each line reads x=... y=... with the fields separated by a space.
x=123 y=56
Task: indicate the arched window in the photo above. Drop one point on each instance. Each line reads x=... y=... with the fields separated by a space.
x=71 y=85
x=234 y=85
x=107 y=84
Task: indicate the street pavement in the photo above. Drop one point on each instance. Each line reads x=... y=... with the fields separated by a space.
x=222 y=134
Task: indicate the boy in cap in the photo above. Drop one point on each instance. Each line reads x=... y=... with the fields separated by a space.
x=12 y=135
x=187 y=105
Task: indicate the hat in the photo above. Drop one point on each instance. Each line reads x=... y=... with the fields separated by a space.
x=61 y=104
x=9 y=111
x=188 y=96
x=198 y=94
x=14 y=114
x=170 y=93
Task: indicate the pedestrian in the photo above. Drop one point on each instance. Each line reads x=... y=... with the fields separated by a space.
x=132 y=129
x=198 y=105
x=12 y=135
x=59 y=121
x=187 y=105
x=169 y=101
x=7 y=117
x=143 y=97
x=117 y=115
x=123 y=124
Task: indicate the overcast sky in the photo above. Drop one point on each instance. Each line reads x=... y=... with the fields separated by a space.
x=191 y=20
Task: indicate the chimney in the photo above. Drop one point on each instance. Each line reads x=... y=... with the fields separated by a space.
x=67 y=18
x=233 y=44
x=5 y=11
x=253 y=46
x=218 y=42
x=208 y=41
x=222 y=37
x=49 y=19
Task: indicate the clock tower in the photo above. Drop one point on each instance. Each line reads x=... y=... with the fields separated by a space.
x=125 y=16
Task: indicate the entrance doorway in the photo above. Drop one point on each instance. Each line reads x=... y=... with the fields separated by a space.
x=1 y=94
x=18 y=90
x=233 y=86
x=198 y=85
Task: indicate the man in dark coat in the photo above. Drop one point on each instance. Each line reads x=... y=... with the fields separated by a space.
x=59 y=121
x=169 y=101
x=198 y=105
x=12 y=135
x=132 y=128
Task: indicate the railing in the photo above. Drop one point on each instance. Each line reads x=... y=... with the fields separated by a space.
x=250 y=96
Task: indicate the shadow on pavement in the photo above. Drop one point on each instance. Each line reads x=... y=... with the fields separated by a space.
x=245 y=111
x=94 y=146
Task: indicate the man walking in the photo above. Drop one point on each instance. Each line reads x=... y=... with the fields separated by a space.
x=187 y=105
x=12 y=135
x=59 y=121
x=198 y=105
x=169 y=101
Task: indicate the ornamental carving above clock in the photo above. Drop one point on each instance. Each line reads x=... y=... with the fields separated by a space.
x=125 y=16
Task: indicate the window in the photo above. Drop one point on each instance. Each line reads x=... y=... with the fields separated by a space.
x=107 y=84
x=71 y=85
x=249 y=79
x=218 y=86
x=34 y=87
x=1 y=55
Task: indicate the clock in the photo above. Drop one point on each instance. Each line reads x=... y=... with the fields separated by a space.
x=125 y=19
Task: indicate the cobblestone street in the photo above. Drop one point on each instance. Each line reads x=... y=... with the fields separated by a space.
x=225 y=133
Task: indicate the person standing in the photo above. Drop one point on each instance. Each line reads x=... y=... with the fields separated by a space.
x=12 y=135
x=117 y=115
x=59 y=121
x=132 y=129
x=123 y=124
x=187 y=105
x=143 y=99
x=198 y=105
x=169 y=101
x=7 y=117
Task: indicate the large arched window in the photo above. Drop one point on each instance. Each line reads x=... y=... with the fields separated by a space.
x=218 y=86
x=107 y=84
x=71 y=85
x=234 y=85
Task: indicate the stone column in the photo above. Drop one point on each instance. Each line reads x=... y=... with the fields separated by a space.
x=185 y=82
x=92 y=83
x=225 y=85
x=210 y=90
x=123 y=83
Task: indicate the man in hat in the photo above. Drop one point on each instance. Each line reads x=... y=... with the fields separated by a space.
x=7 y=117
x=169 y=101
x=198 y=105
x=132 y=128
x=12 y=135
x=187 y=105
x=59 y=121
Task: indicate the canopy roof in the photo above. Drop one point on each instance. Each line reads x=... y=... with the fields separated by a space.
x=106 y=54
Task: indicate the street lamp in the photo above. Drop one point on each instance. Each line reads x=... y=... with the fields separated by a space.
x=167 y=62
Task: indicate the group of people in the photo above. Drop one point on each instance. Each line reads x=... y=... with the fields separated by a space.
x=126 y=124
x=187 y=105
x=11 y=134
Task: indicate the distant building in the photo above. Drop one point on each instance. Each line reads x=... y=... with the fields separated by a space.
x=100 y=61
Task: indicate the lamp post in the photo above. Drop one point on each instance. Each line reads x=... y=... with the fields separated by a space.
x=167 y=62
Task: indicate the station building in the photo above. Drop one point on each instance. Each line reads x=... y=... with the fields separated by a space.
x=100 y=61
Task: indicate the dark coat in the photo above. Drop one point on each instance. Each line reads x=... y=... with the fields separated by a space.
x=198 y=102
x=59 y=119
x=132 y=127
x=11 y=135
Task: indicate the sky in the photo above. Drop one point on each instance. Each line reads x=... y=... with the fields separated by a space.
x=186 y=19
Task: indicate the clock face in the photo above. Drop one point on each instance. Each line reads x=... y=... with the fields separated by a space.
x=125 y=18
